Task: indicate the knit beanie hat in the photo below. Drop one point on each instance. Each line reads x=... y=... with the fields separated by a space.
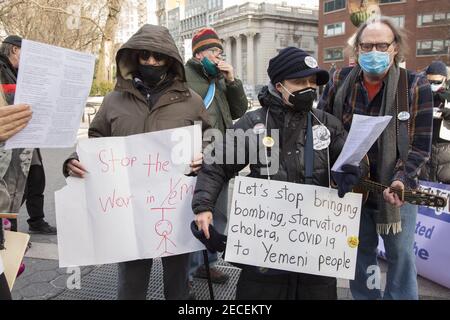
x=204 y=39
x=294 y=63
x=437 y=68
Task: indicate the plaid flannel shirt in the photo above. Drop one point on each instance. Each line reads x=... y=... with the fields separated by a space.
x=421 y=118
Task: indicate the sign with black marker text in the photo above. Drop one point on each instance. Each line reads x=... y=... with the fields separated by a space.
x=293 y=227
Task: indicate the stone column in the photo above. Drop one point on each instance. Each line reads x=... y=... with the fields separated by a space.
x=250 y=59
x=228 y=50
x=238 y=65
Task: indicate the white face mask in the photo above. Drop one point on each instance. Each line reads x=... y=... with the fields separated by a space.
x=437 y=87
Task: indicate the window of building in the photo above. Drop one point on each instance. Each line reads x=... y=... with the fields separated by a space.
x=334 y=54
x=334 y=29
x=430 y=19
x=390 y=1
x=399 y=21
x=334 y=5
x=432 y=47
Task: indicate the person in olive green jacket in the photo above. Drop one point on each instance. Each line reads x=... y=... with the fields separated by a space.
x=206 y=67
x=224 y=98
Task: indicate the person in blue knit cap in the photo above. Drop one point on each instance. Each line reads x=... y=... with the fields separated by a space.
x=287 y=112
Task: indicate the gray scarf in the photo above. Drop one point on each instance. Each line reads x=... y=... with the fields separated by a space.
x=387 y=217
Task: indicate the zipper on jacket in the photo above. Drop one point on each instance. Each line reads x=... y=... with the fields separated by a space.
x=150 y=107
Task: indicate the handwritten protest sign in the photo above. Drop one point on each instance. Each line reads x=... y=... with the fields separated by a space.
x=135 y=201
x=293 y=227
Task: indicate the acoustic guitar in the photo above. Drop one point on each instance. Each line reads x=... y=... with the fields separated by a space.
x=416 y=197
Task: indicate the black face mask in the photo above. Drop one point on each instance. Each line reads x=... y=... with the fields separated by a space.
x=152 y=75
x=302 y=100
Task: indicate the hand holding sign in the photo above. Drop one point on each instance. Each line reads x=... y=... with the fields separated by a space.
x=75 y=169
x=203 y=220
x=196 y=164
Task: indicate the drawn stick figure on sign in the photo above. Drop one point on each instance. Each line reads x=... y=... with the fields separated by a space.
x=164 y=228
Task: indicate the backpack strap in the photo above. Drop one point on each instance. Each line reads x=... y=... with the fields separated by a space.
x=210 y=95
x=309 y=152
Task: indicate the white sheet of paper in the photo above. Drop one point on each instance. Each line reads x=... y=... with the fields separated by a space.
x=293 y=227
x=56 y=83
x=444 y=132
x=135 y=201
x=364 y=131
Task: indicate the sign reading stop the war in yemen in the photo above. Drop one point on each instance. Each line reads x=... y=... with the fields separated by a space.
x=293 y=227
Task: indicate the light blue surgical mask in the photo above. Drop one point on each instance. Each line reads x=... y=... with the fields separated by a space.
x=374 y=62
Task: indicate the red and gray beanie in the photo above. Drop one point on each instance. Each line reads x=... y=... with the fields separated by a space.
x=204 y=39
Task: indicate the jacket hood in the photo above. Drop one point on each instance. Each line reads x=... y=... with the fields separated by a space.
x=152 y=38
x=269 y=97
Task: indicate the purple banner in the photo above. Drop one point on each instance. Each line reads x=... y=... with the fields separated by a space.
x=432 y=237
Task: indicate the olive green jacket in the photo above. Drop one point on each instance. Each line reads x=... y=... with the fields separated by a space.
x=230 y=101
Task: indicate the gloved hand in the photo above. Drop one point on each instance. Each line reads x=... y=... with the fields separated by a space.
x=216 y=242
x=347 y=179
x=446 y=113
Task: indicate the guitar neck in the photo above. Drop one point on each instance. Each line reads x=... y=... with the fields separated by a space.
x=376 y=187
x=411 y=196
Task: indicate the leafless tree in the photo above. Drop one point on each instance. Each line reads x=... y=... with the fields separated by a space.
x=76 y=24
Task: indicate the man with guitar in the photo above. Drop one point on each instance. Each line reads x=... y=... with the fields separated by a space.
x=377 y=86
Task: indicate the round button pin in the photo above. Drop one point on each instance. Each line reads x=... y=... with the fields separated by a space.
x=268 y=142
x=353 y=241
x=259 y=128
x=311 y=62
x=403 y=116
x=321 y=137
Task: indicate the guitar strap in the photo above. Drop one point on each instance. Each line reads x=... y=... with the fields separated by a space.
x=402 y=102
x=309 y=152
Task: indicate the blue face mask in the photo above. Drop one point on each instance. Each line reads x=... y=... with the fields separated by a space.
x=374 y=62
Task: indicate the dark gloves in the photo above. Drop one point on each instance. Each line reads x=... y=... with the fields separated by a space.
x=216 y=242
x=347 y=179
x=446 y=113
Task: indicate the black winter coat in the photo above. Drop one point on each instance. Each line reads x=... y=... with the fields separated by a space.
x=292 y=128
x=292 y=138
x=8 y=78
x=437 y=169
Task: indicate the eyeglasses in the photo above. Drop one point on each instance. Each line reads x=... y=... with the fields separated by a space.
x=382 y=46
x=145 y=55
x=438 y=82
x=216 y=52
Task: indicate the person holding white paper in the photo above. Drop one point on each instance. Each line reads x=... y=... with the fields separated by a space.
x=12 y=119
x=285 y=140
x=378 y=86
x=10 y=56
x=438 y=168
x=151 y=94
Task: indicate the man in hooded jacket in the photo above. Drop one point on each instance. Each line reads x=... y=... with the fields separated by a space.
x=150 y=95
